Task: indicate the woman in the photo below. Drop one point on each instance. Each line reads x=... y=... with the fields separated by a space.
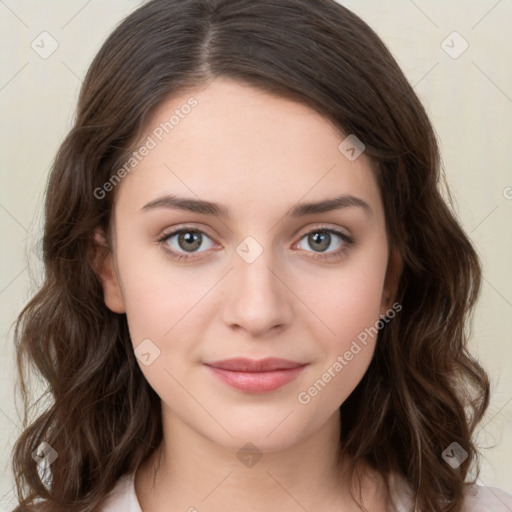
x=308 y=351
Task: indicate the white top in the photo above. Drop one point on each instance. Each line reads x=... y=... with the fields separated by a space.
x=477 y=499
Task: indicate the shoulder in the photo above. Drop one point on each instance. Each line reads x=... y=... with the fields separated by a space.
x=480 y=498
x=122 y=498
x=477 y=498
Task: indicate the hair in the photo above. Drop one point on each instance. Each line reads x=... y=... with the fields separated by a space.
x=423 y=387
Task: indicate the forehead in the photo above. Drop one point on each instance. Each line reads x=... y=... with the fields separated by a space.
x=238 y=145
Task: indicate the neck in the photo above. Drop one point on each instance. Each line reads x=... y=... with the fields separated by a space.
x=192 y=472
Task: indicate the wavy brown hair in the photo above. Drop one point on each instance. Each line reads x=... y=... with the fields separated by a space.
x=422 y=391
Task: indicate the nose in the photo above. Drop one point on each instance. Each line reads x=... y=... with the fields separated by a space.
x=258 y=298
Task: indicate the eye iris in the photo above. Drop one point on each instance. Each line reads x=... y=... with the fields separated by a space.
x=319 y=239
x=189 y=237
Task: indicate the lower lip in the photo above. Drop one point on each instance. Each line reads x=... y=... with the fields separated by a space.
x=257 y=382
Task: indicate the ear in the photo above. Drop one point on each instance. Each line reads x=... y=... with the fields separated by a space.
x=104 y=267
x=391 y=281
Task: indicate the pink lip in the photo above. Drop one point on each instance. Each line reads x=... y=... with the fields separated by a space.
x=256 y=376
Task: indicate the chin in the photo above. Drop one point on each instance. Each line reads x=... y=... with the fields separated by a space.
x=267 y=434
x=256 y=442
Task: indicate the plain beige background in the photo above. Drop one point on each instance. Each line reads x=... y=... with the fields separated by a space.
x=464 y=80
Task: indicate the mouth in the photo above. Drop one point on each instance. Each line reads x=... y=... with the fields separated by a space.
x=256 y=376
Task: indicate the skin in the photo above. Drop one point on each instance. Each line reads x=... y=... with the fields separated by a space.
x=258 y=155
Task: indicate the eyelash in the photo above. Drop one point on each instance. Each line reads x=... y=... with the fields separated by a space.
x=348 y=243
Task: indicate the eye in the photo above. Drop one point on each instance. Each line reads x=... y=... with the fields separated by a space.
x=322 y=238
x=183 y=243
x=187 y=240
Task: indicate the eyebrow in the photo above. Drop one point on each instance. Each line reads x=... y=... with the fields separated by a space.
x=217 y=210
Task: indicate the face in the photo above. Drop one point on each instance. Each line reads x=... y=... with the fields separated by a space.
x=263 y=277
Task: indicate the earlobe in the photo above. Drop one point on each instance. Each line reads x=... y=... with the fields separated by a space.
x=392 y=279
x=104 y=267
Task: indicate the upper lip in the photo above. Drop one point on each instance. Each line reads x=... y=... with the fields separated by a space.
x=242 y=364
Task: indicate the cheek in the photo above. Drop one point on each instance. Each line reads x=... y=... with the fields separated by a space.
x=349 y=300
x=154 y=300
x=350 y=309
x=166 y=303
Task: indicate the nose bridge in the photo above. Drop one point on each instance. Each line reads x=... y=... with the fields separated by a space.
x=259 y=297
x=254 y=263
